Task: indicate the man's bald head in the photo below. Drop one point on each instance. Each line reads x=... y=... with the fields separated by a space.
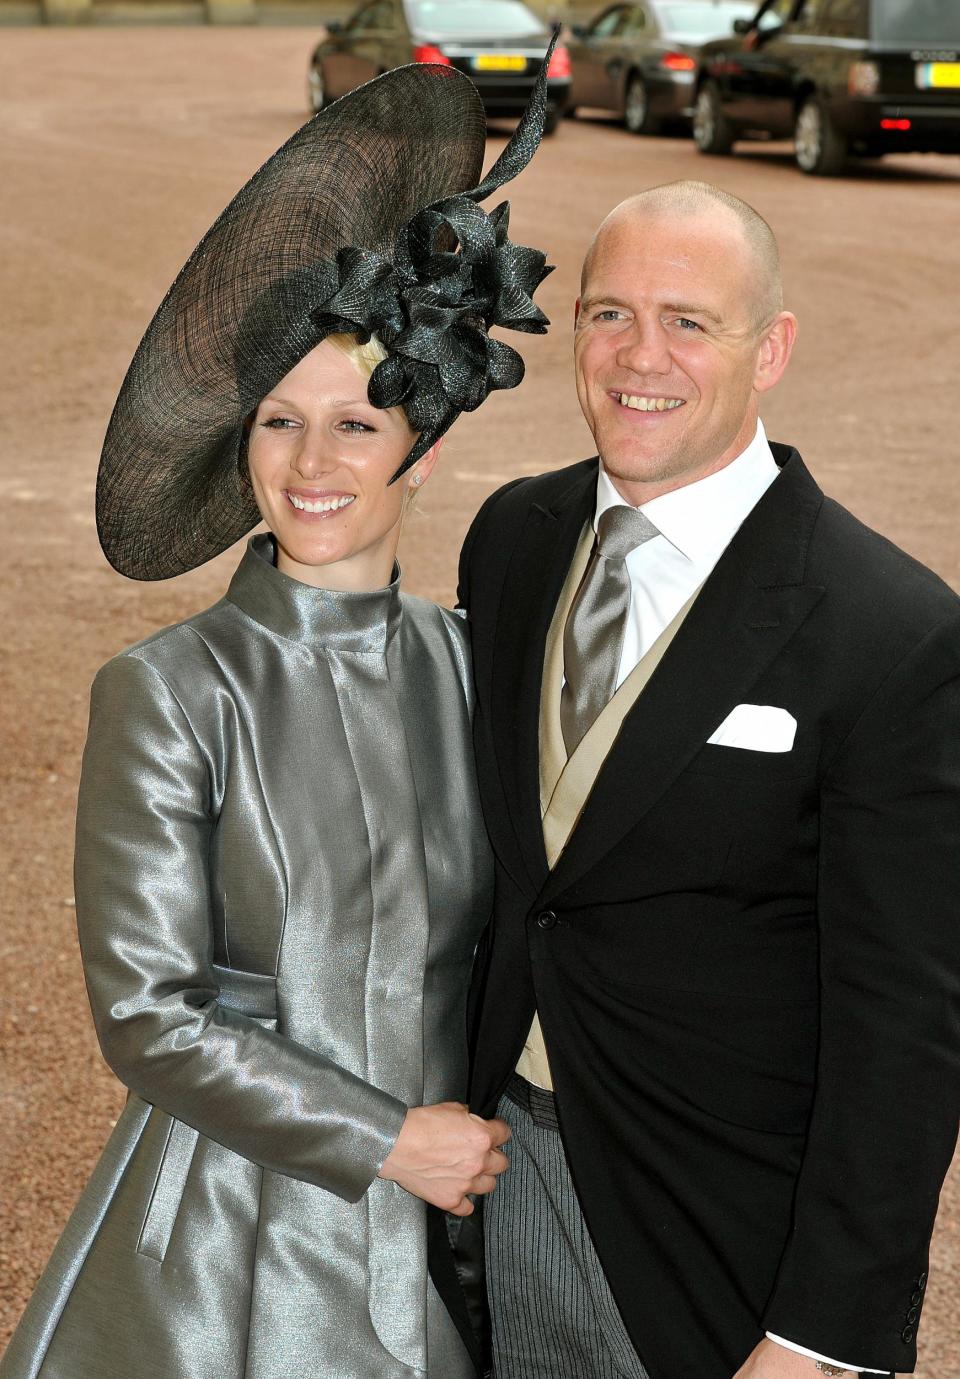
x=679 y=332
x=702 y=200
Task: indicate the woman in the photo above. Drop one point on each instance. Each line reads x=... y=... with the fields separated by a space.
x=281 y=866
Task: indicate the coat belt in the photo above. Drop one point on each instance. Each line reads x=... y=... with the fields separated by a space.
x=248 y=993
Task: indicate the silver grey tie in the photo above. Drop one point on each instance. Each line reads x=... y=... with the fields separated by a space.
x=593 y=636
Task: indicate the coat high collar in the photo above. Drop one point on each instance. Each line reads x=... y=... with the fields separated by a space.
x=323 y=619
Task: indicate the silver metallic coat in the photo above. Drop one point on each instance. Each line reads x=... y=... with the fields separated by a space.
x=281 y=877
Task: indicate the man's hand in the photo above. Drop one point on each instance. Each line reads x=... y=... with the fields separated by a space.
x=444 y=1152
x=773 y=1361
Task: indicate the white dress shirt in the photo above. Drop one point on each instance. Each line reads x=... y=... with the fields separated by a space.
x=696 y=525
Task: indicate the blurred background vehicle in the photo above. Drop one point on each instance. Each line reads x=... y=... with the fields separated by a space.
x=640 y=59
x=500 y=45
x=862 y=77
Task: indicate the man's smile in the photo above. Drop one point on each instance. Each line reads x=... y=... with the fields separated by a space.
x=644 y=402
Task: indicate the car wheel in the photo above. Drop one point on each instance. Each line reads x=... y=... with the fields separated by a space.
x=551 y=120
x=712 y=131
x=636 y=108
x=819 y=147
x=316 y=91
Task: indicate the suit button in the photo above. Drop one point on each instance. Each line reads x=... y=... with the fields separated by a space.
x=916 y=1297
x=913 y=1314
x=922 y=1281
x=906 y=1335
x=547 y=919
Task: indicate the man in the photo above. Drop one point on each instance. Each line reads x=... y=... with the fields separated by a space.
x=718 y=730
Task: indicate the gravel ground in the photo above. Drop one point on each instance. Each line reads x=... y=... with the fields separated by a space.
x=117 y=149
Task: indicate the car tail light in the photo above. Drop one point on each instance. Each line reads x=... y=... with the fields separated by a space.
x=895 y=124
x=429 y=52
x=559 y=63
x=677 y=62
x=863 y=79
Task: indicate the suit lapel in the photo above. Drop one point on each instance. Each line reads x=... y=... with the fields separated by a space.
x=534 y=579
x=748 y=610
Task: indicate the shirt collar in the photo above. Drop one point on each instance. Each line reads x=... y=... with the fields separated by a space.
x=701 y=518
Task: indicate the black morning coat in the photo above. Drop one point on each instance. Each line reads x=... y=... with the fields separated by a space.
x=745 y=962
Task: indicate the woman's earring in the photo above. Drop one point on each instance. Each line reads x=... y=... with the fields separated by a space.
x=418 y=479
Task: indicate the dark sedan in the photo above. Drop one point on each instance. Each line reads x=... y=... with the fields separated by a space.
x=499 y=44
x=639 y=59
x=862 y=77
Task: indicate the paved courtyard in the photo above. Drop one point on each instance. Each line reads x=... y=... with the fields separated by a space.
x=117 y=149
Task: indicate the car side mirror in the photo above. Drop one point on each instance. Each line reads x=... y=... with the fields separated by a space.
x=742 y=26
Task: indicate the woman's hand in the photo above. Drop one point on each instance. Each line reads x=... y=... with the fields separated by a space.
x=444 y=1152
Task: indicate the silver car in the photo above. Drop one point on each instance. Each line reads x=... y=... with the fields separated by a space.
x=640 y=59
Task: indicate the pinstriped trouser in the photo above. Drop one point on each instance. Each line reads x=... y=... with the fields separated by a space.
x=553 y=1314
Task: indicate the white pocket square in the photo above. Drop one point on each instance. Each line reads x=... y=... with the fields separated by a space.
x=758 y=727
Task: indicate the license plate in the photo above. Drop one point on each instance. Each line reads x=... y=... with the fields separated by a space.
x=500 y=62
x=933 y=76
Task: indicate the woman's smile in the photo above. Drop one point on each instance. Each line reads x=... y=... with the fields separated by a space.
x=321 y=460
x=310 y=503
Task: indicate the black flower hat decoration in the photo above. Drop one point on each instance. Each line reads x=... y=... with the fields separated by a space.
x=367 y=221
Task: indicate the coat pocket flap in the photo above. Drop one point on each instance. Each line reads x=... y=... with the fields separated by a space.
x=168 y=1190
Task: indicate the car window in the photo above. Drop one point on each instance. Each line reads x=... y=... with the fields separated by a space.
x=844 y=19
x=473 y=19
x=609 y=23
x=779 y=12
x=811 y=14
x=773 y=14
x=700 y=20
x=634 y=21
x=917 y=22
x=376 y=16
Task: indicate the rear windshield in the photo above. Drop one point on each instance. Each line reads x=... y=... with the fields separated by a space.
x=698 y=20
x=450 y=19
x=917 y=22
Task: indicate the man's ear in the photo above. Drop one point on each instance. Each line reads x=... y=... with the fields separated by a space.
x=776 y=347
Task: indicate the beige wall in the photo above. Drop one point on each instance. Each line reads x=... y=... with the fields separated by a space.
x=171 y=11
x=215 y=11
x=198 y=11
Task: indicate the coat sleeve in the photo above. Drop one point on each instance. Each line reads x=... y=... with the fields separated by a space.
x=885 y=1114
x=144 y=829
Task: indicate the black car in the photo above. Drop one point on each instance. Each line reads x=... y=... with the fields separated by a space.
x=639 y=59
x=863 y=77
x=498 y=43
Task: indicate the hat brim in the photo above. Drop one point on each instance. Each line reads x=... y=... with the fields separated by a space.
x=171 y=490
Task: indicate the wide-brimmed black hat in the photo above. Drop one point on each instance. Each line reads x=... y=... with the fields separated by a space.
x=365 y=221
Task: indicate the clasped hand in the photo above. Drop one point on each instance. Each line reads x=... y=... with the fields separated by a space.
x=444 y=1152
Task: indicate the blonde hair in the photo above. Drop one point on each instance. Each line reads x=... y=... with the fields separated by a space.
x=365 y=358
